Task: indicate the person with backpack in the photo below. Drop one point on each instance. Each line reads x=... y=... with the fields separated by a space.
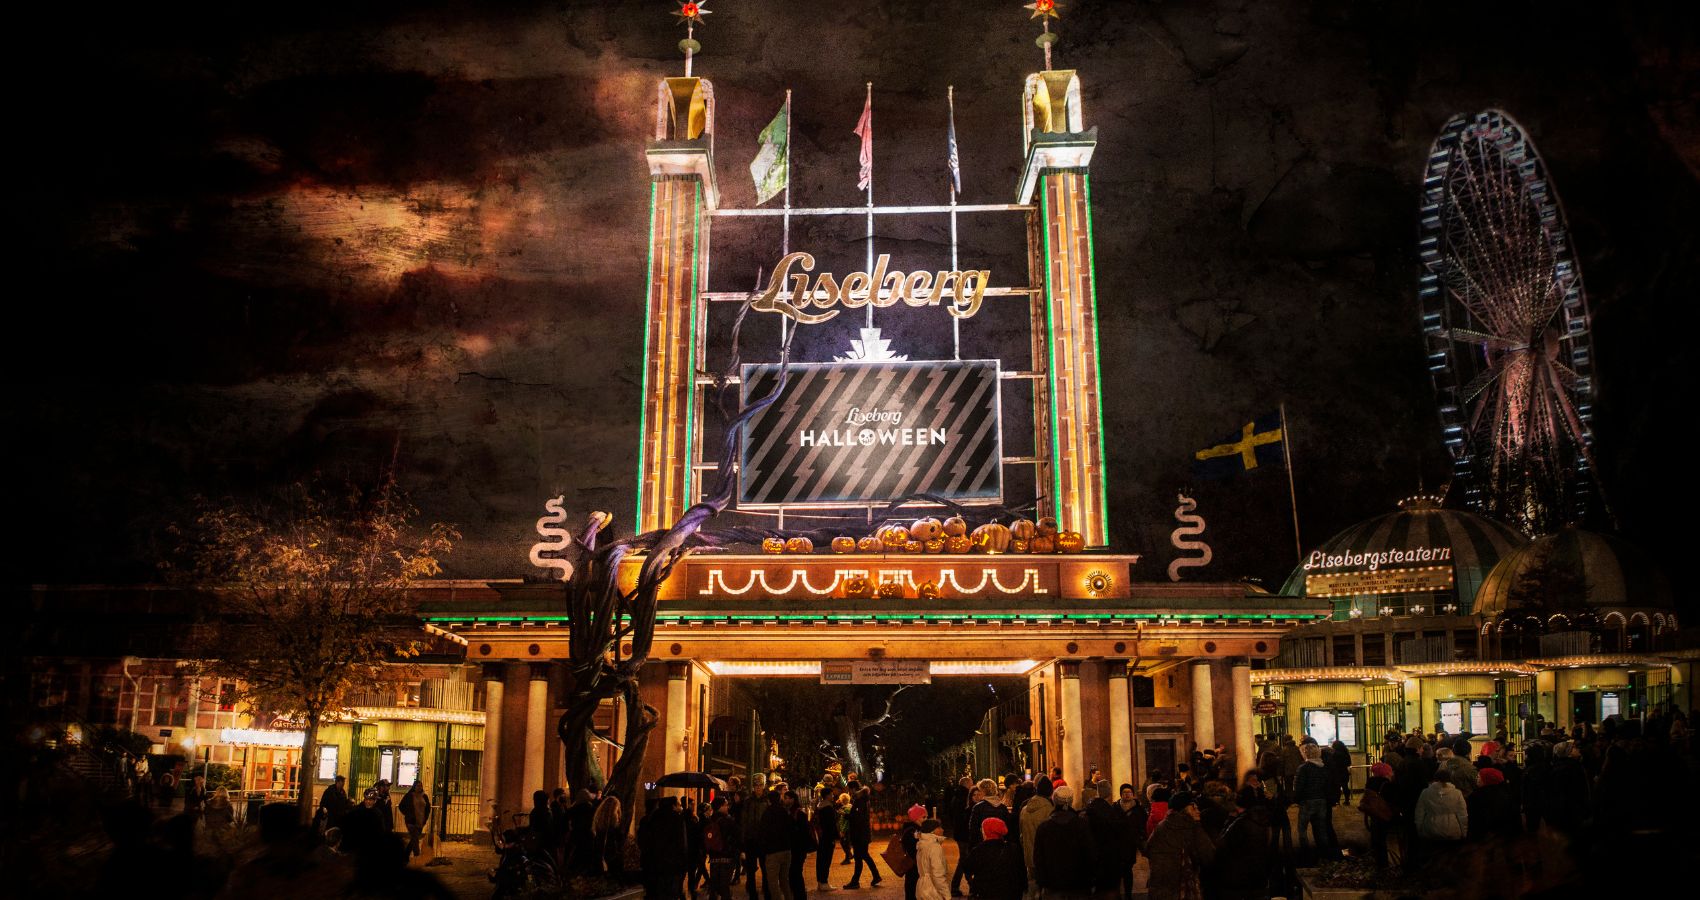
x=1379 y=814
x=720 y=842
x=899 y=853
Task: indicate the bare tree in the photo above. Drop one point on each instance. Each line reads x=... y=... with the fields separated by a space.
x=310 y=597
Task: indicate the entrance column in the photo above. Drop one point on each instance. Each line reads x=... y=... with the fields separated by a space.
x=536 y=720
x=489 y=779
x=1074 y=751
x=1245 y=748
x=1203 y=706
x=678 y=684
x=1121 y=734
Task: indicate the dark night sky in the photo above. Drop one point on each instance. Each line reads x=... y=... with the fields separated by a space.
x=305 y=237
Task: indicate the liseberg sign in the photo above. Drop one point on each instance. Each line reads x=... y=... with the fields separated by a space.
x=860 y=432
x=880 y=287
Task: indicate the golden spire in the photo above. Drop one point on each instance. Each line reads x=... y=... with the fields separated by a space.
x=1045 y=11
x=690 y=15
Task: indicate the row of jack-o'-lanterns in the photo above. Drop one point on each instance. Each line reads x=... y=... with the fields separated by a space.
x=930 y=535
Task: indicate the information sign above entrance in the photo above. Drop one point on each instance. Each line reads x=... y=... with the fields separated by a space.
x=875 y=671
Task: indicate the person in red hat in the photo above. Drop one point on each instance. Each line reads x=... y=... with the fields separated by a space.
x=1379 y=813
x=995 y=866
x=1493 y=808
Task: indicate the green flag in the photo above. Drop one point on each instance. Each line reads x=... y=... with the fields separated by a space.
x=771 y=167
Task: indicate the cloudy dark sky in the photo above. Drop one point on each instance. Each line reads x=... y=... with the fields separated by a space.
x=265 y=241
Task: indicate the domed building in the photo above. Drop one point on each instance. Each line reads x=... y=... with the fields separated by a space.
x=1444 y=619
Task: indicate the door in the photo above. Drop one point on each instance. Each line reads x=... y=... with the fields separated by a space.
x=1583 y=706
x=1159 y=758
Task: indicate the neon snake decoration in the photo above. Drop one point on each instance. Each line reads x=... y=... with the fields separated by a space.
x=1191 y=524
x=554 y=538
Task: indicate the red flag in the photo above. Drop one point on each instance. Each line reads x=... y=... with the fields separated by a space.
x=865 y=128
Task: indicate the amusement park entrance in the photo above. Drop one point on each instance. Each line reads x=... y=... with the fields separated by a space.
x=956 y=369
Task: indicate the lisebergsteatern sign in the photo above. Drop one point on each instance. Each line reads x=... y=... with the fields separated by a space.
x=848 y=433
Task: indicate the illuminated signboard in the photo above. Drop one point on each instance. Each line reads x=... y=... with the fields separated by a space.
x=875 y=671
x=1421 y=579
x=848 y=433
x=1356 y=574
x=964 y=291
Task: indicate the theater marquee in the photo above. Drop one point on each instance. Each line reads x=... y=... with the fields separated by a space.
x=849 y=433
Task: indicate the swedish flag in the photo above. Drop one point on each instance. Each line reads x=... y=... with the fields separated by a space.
x=1259 y=443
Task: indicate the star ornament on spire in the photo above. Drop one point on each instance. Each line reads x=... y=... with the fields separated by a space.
x=690 y=14
x=1044 y=9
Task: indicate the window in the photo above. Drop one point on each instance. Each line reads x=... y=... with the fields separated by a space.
x=1479 y=717
x=327 y=762
x=1610 y=705
x=226 y=696
x=399 y=765
x=170 y=703
x=1375 y=650
x=1325 y=726
x=1452 y=716
x=1345 y=650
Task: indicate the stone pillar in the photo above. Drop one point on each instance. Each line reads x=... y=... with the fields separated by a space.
x=1121 y=730
x=682 y=188
x=536 y=727
x=490 y=777
x=1203 y=706
x=1073 y=727
x=1245 y=746
x=1059 y=148
x=678 y=696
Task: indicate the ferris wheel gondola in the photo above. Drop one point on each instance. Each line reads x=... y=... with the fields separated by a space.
x=1505 y=318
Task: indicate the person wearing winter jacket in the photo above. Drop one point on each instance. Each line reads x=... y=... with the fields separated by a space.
x=1178 y=850
x=1133 y=815
x=1442 y=818
x=932 y=874
x=1311 y=789
x=1032 y=814
x=1240 y=869
x=1493 y=808
x=995 y=868
x=1063 y=851
x=1463 y=774
x=1159 y=811
x=1108 y=826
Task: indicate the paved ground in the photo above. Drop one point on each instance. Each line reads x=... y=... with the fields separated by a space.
x=468 y=864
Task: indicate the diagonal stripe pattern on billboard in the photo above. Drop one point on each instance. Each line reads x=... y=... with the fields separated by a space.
x=873 y=432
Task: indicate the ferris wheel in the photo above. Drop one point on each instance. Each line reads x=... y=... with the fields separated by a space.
x=1506 y=323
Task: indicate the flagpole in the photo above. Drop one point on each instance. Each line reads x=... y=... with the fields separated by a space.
x=785 y=233
x=955 y=321
x=873 y=289
x=1292 y=492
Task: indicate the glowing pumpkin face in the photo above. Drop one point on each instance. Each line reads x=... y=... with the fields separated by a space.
x=1023 y=530
x=843 y=544
x=857 y=586
x=893 y=535
x=991 y=538
x=799 y=545
x=1070 y=542
x=869 y=544
x=773 y=545
x=891 y=590
x=913 y=546
x=925 y=529
x=1017 y=545
x=927 y=591
x=936 y=545
x=958 y=543
x=955 y=526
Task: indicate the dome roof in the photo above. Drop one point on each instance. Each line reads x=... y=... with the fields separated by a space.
x=1473 y=544
x=1584 y=569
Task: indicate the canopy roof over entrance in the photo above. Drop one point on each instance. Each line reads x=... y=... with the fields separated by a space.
x=932 y=607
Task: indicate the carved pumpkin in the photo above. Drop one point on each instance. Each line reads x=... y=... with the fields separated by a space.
x=927 y=591
x=1047 y=527
x=891 y=590
x=991 y=538
x=773 y=545
x=799 y=545
x=955 y=526
x=843 y=544
x=1070 y=542
x=869 y=544
x=1017 y=545
x=1023 y=530
x=958 y=543
x=1044 y=543
x=893 y=536
x=913 y=547
x=936 y=545
x=858 y=586
x=925 y=529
